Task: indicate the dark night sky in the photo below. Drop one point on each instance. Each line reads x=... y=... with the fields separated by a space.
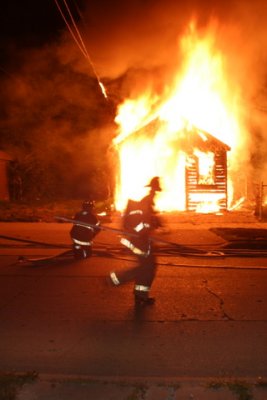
x=40 y=18
x=33 y=22
x=29 y=22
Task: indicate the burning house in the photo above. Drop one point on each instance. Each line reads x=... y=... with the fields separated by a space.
x=192 y=164
x=184 y=134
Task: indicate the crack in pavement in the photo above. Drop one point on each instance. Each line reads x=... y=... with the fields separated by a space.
x=225 y=316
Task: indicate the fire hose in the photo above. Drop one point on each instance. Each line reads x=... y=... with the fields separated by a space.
x=183 y=250
x=34 y=242
x=114 y=252
x=131 y=234
x=170 y=249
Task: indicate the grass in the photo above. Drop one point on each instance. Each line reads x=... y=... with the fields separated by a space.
x=241 y=389
x=138 y=393
x=11 y=382
x=262 y=384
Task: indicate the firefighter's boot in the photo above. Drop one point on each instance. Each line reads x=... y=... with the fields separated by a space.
x=78 y=252
x=140 y=302
x=142 y=298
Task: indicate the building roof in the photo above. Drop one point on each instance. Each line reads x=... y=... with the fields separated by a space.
x=205 y=141
x=187 y=138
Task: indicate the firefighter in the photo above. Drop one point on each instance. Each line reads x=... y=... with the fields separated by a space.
x=140 y=219
x=82 y=236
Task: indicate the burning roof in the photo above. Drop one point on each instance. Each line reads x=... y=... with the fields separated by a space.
x=204 y=141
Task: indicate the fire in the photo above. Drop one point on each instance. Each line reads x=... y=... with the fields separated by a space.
x=131 y=116
x=153 y=130
x=206 y=165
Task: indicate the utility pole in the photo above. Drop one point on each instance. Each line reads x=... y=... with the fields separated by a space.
x=261 y=198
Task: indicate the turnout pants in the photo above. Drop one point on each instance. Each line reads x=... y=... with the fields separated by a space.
x=81 y=250
x=143 y=275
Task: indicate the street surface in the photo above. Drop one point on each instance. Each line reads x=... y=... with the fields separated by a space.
x=60 y=316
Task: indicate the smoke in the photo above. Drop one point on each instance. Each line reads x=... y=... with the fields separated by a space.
x=123 y=37
x=249 y=67
x=139 y=40
x=55 y=123
x=138 y=34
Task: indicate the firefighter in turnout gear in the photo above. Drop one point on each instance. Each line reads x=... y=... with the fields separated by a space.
x=140 y=219
x=82 y=236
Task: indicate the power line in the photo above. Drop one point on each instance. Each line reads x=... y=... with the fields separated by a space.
x=69 y=28
x=80 y=42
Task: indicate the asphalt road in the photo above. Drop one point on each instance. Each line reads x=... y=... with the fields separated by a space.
x=60 y=316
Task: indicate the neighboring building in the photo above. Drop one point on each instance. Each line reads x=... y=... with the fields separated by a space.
x=4 y=184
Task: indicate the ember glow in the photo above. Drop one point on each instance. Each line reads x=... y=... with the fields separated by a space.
x=154 y=131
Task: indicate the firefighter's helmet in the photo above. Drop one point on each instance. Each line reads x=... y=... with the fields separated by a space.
x=88 y=205
x=155 y=184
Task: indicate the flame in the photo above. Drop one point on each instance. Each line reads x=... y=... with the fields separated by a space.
x=152 y=129
x=238 y=203
x=205 y=167
x=132 y=115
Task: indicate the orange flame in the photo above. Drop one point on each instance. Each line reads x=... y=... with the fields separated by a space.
x=150 y=127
